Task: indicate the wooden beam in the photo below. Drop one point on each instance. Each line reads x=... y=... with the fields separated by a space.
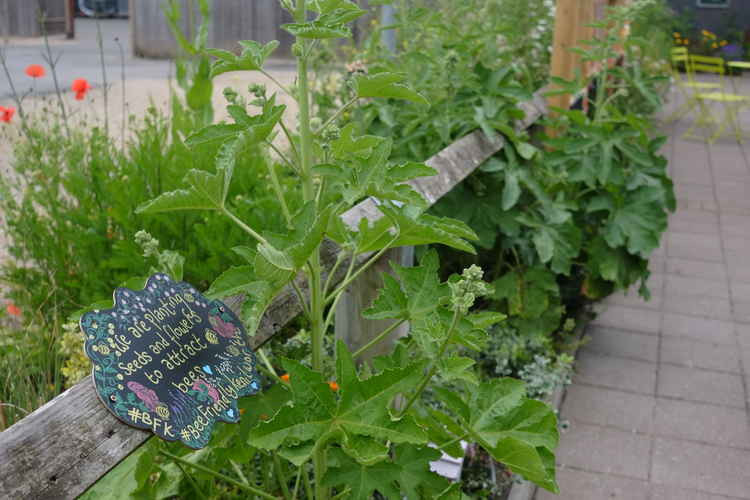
x=70 y=19
x=64 y=447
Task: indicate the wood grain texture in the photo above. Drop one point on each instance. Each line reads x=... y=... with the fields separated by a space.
x=62 y=448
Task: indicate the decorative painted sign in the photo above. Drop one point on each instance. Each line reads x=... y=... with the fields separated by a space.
x=170 y=360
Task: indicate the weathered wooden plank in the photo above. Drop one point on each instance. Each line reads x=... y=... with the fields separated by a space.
x=73 y=440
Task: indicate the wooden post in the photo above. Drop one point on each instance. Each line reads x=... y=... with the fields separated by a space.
x=70 y=19
x=350 y=326
x=571 y=18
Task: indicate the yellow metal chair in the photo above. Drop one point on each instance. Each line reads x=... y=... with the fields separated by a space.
x=686 y=83
x=731 y=102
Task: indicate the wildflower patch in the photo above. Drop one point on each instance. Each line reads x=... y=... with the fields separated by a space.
x=169 y=360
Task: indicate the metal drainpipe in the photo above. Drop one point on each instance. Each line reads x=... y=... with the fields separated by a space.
x=387 y=18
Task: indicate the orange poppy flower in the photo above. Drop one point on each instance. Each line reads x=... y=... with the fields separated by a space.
x=80 y=87
x=13 y=309
x=333 y=385
x=6 y=114
x=285 y=377
x=35 y=70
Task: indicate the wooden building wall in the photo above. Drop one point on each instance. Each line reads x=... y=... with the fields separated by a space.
x=233 y=20
x=21 y=17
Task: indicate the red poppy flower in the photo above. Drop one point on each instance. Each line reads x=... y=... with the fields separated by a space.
x=80 y=87
x=35 y=70
x=285 y=377
x=333 y=385
x=6 y=114
x=13 y=309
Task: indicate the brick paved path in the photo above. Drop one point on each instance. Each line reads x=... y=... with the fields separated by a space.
x=659 y=406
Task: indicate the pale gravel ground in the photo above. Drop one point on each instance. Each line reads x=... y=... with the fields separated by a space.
x=147 y=83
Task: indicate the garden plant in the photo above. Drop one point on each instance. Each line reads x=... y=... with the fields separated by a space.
x=562 y=216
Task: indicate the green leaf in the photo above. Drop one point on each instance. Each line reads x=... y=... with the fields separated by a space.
x=638 y=223
x=458 y=368
x=519 y=432
x=414 y=229
x=387 y=85
x=362 y=410
x=213 y=133
x=529 y=293
x=390 y=302
x=180 y=199
x=526 y=150
x=511 y=191
x=252 y=57
x=362 y=480
x=317 y=30
x=415 y=478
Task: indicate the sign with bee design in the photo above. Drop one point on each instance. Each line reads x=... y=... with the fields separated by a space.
x=170 y=360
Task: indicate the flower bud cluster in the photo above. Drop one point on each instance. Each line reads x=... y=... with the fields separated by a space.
x=465 y=291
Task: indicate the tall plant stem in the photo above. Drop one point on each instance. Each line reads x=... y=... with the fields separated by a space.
x=124 y=101
x=245 y=227
x=219 y=475
x=433 y=365
x=100 y=44
x=379 y=338
x=14 y=93
x=281 y=477
x=335 y=116
x=279 y=193
x=52 y=62
x=317 y=300
x=274 y=80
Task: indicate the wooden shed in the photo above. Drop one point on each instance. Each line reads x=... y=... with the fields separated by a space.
x=22 y=17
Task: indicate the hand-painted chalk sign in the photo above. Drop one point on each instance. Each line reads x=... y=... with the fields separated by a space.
x=170 y=360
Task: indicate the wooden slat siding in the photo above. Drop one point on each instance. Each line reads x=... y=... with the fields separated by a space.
x=232 y=20
x=62 y=448
x=21 y=17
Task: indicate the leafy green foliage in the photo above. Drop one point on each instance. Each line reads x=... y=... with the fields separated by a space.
x=252 y=57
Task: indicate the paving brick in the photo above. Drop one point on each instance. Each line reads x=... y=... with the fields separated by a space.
x=691 y=353
x=743 y=336
x=604 y=449
x=735 y=225
x=680 y=285
x=632 y=299
x=664 y=492
x=581 y=485
x=694 y=192
x=697 y=268
x=741 y=291
x=690 y=218
x=615 y=373
x=738 y=266
x=706 y=468
x=608 y=407
x=703 y=329
x=736 y=243
x=697 y=305
x=613 y=342
x=628 y=318
x=702 y=422
x=741 y=311
x=694 y=246
x=704 y=386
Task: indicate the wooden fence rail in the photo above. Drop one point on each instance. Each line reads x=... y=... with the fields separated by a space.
x=65 y=446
